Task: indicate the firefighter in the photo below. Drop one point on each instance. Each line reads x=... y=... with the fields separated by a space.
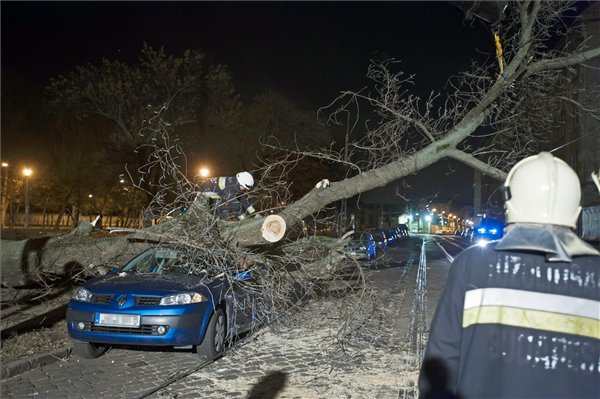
x=231 y=195
x=520 y=317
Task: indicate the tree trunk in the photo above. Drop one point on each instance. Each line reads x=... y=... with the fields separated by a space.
x=245 y=233
x=36 y=259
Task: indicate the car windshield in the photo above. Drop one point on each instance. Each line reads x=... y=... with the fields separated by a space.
x=172 y=260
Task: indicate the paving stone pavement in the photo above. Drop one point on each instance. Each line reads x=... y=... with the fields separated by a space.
x=312 y=358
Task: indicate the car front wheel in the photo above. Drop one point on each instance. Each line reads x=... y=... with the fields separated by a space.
x=88 y=350
x=213 y=344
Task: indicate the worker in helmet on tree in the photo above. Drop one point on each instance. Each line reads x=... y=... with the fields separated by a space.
x=230 y=194
x=520 y=317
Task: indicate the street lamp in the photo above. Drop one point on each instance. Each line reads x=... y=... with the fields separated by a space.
x=27 y=172
x=4 y=204
x=204 y=172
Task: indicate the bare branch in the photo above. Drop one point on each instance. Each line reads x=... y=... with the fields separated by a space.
x=563 y=62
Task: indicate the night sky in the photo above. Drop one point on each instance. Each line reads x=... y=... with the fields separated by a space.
x=310 y=51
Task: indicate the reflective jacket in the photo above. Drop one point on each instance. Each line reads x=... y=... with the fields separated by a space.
x=511 y=324
x=227 y=190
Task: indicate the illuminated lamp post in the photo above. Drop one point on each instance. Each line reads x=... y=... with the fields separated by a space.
x=27 y=172
x=90 y=205
x=4 y=192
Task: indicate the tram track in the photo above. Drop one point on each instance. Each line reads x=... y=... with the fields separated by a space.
x=41 y=308
x=418 y=314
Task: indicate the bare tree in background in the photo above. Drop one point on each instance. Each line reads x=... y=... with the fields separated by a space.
x=496 y=113
x=190 y=89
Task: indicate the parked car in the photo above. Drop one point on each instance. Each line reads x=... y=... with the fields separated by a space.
x=403 y=230
x=380 y=239
x=165 y=296
x=468 y=233
x=362 y=245
x=391 y=235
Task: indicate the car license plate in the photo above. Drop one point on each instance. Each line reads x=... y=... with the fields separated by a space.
x=117 y=320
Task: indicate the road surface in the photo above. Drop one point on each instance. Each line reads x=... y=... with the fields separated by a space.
x=311 y=358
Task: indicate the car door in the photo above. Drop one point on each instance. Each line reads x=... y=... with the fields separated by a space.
x=243 y=303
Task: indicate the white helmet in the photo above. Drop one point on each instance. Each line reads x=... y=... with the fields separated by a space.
x=245 y=179
x=542 y=189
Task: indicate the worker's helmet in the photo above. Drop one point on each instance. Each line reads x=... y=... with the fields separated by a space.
x=245 y=179
x=542 y=189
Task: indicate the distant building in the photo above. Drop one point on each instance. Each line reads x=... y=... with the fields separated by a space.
x=577 y=140
x=578 y=137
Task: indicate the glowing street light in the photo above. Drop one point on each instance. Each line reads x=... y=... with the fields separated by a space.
x=27 y=172
x=204 y=172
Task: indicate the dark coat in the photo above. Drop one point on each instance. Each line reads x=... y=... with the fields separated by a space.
x=230 y=197
x=513 y=325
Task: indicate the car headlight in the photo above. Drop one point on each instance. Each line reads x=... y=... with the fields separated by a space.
x=493 y=231
x=82 y=295
x=182 y=299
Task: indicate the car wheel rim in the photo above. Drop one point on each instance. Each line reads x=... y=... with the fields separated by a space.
x=219 y=333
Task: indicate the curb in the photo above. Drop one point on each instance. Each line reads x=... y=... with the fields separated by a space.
x=17 y=367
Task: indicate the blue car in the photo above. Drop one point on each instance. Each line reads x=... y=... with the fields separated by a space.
x=166 y=296
x=380 y=239
x=361 y=246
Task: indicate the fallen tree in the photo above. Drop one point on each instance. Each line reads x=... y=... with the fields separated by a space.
x=497 y=113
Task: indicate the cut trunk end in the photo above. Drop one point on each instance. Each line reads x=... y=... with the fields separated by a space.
x=273 y=228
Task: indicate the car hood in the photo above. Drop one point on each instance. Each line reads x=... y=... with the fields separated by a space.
x=149 y=283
